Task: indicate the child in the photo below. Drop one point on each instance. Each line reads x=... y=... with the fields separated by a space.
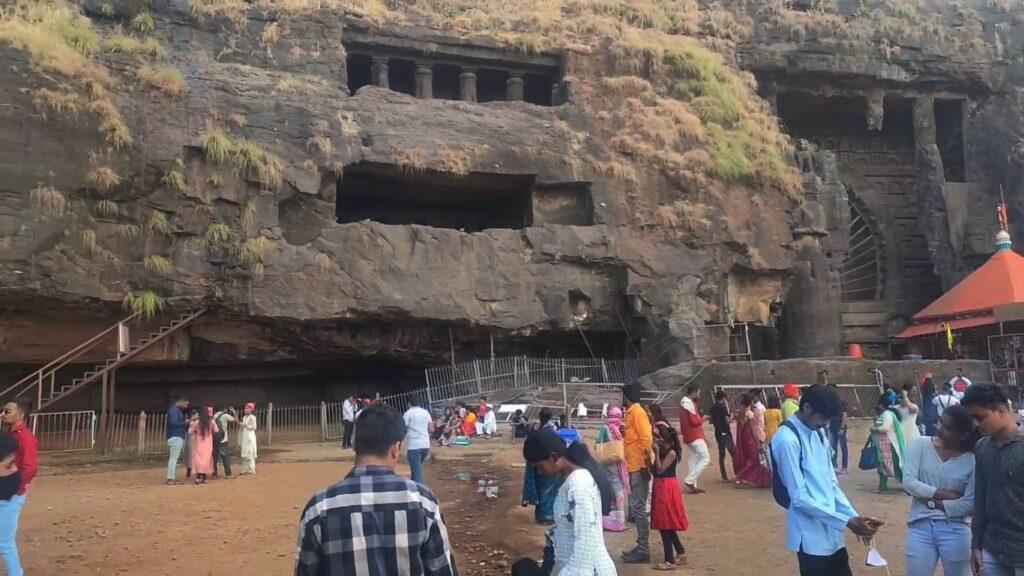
x=202 y=430
x=668 y=514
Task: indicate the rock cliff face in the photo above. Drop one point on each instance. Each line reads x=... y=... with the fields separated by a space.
x=259 y=141
x=665 y=244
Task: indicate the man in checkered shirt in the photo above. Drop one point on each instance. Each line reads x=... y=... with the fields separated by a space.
x=374 y=523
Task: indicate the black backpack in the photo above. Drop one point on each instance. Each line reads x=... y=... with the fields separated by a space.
x=779 y=490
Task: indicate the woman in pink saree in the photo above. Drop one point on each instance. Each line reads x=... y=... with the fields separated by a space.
x=746 y=460
x=615 y=521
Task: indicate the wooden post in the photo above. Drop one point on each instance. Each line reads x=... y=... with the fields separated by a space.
x=142 y=434
x=270 y=423
x=323 y=421
x=476 y=370
x=103 y=416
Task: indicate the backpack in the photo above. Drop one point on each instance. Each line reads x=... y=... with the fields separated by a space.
x=779 y=490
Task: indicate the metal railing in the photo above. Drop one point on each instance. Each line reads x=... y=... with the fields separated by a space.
x=468 y=379
x=860 y=399
x=47 y=375
x=64 y=431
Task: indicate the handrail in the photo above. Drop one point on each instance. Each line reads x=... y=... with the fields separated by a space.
x=66 y=358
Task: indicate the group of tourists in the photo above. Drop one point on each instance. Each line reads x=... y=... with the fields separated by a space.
x=200 y=435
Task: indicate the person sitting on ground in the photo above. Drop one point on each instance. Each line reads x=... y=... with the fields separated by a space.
x=350 y=527
x=489 y=426
x=452 y=428
x=582 y=500
x=469 y=423
x=818 y=511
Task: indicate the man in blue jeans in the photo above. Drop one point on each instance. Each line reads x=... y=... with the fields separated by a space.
x=176 y=429
x=26 y=460
x=419 y=426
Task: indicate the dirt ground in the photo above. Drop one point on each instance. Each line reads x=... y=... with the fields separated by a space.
x=122 y=519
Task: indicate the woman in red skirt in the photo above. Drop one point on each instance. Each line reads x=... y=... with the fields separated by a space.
x=668 y=515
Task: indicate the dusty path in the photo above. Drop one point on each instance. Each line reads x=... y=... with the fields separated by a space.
x=123 y=520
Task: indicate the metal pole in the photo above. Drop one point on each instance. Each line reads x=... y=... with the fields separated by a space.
x=750 y=356
x=323 y=421
x=270 y=423
x=430 y=397
x=565 y=404
x=103 y=416
x=142 y=433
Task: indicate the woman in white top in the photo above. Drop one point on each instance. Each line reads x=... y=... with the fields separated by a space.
x=583 y=500
x=908 y=415
x=939 y=474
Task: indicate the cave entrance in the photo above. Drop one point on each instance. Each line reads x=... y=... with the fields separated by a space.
x=949 y=135
x=491 y=85
x=473 y=202
x=359 y=71
x=402 y=76
x=391 y=194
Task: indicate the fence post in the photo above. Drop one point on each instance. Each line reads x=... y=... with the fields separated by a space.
x=476 y=370
x=323 y=421
x=604 y=371
x=270 y=423
x=142 y=433
x=526 y=370
x=430 y=399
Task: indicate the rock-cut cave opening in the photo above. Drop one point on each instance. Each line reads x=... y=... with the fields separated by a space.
x=391 y=194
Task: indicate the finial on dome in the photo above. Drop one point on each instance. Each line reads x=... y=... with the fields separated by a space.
x=1003 y=240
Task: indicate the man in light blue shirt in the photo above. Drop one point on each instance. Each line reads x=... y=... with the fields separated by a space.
x=818 y=511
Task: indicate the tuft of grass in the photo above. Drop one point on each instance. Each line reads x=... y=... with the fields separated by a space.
x=216 y=234
x=253 y=250
x=175 y=176
x=157 y=264
x=87 y=238
x=238 y=120
x=251 y=159
x=57 y=37
x=118 y=43
x=158 y=224
x=111 y=123
x=321 y=144
x=129 y=232
x=270 y=35
x=142 y=23
x=166 y=79
x=106 y=209
x=48 y=200
x=57 y=104
x=324 y=262
x=217 y=146
x=146 y=303
x=455 y=161
x=248 y=217
x=103 y=177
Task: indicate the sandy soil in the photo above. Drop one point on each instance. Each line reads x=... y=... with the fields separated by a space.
x=117 y=519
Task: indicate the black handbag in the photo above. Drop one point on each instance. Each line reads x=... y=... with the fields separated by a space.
x=868 y=456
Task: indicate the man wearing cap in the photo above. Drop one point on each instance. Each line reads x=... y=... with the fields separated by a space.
x=791 y=405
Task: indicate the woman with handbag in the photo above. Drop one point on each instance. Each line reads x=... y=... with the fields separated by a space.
x=887 y=435
x=748 y=462
x=610 y=454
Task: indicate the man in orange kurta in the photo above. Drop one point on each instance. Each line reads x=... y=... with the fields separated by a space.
x=638 y=440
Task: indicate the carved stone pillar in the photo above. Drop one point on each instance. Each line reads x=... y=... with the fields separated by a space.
x=379 y=72
x=876 y=110
x=467 y=85
x=424 y=81
x=514 y=87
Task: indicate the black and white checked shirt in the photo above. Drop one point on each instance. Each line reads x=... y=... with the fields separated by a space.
x=373 y=523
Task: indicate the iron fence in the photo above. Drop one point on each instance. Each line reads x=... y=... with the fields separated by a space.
x=64 y=431
x=860 y=399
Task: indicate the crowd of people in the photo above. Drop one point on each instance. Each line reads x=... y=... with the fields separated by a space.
x=200 y=435
x=964 y=481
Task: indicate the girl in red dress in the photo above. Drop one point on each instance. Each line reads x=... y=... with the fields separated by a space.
x=668 y=514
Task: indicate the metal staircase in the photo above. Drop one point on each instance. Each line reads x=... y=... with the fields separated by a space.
x=51 y=387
